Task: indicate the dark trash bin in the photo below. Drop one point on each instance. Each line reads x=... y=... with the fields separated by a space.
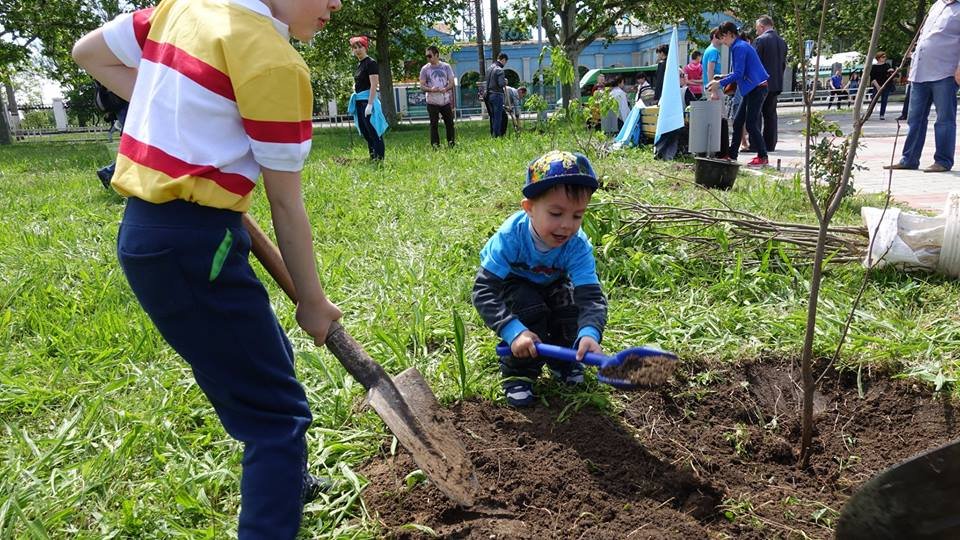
x=715 y=173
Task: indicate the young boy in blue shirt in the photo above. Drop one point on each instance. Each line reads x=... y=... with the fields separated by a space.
x=218 y=96
x=537 y=279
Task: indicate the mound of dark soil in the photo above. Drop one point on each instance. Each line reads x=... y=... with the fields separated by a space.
x=713 y=455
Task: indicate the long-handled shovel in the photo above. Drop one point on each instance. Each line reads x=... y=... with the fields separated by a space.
x=916 y=499
x=405 y=403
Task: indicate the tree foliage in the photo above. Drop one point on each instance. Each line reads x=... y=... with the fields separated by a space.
x=396 y=29
x=513 y=28
x=844 y=25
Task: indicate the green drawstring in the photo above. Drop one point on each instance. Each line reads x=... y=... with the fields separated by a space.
x=221 y=255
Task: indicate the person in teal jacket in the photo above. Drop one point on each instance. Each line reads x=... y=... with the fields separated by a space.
x=751 y=79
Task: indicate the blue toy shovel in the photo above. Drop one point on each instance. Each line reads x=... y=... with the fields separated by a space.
x=627 y=370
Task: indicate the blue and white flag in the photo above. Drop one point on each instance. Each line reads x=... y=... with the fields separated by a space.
x=670 y=116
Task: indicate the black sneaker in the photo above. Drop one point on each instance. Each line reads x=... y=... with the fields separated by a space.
x=105 y=175
x=314 y=486
x=519 y=393
x=570 y=374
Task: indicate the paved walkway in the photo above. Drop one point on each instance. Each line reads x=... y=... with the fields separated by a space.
x=915 y=188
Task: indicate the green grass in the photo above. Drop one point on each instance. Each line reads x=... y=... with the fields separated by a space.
x=104 y=434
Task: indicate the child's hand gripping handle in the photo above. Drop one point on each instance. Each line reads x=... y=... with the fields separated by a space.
x=562 y=353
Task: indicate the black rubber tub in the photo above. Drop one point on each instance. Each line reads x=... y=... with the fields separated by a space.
x=715 y=173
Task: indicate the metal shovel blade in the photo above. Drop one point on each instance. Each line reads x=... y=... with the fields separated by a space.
x=917 y=499
x=410 y=410
x=405 y=404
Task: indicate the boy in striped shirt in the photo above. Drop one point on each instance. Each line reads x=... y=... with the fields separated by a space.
x=218 y=97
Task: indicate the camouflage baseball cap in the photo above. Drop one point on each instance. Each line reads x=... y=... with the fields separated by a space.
x=558 y=167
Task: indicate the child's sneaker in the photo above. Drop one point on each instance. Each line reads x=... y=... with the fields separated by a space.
x=519 y=393
x=570 y=373
x=314 y=486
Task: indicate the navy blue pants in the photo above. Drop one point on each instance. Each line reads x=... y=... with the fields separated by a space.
x=748 y=117
x=187 y=265
x=550 y=313
x=495 y=104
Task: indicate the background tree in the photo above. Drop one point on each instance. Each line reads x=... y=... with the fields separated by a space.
x=478 y=9
x=494 y=29
x=843 y=25
x=514 y=28
x=396 y=29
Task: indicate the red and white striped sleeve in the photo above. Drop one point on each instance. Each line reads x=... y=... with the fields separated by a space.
x=276 y=108
x=126 y=34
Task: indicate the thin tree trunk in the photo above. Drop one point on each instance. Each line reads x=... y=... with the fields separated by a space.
x=386 y=73
x=572 y=49
x=478 y=9
x=494 y=29
x=4 y=126
x=806 y=358
x=572 y=92
x=12 y=105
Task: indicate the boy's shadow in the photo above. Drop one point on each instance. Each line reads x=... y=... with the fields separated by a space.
x=617 y=462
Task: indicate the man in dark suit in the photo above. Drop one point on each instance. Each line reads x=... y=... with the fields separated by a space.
x=772 y=50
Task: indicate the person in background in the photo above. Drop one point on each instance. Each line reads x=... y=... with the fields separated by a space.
x=906 y=96
x=644 y=91
x=734 y=101
x=114 y=108
x=662 y=51
x=203 y=126
x=364 y=104
x=711 y=59
x=751 y=78
x=694 y=73
x=880 y=72
x=838 y=91
x=853 y=84
x=772 y=50
x=935 y=76
x=623 y=105
x=513 y=105
x=496 y=81
x=436 y=80
x=685 y=93
x=600 y=85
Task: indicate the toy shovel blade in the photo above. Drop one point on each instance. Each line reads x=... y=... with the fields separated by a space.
x=917 y=499
x=405 y=403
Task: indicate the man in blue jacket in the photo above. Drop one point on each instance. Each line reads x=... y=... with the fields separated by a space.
x=772 y=50
x=748 y=73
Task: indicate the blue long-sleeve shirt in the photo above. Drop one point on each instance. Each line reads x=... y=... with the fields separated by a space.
x=511 y=252
x=746 y=68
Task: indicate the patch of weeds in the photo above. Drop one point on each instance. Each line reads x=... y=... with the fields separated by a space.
x=739 y=437
x=825 y=516
x=845 y=463
x=414 y=478
x=699 y=386
x=739 y=509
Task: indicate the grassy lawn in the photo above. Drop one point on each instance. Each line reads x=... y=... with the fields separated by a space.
x=104 y=434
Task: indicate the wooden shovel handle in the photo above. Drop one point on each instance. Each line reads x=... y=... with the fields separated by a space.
x=356 y=360
x=269 y=256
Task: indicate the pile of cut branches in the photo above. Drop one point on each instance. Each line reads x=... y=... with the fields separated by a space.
x=722 y=233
